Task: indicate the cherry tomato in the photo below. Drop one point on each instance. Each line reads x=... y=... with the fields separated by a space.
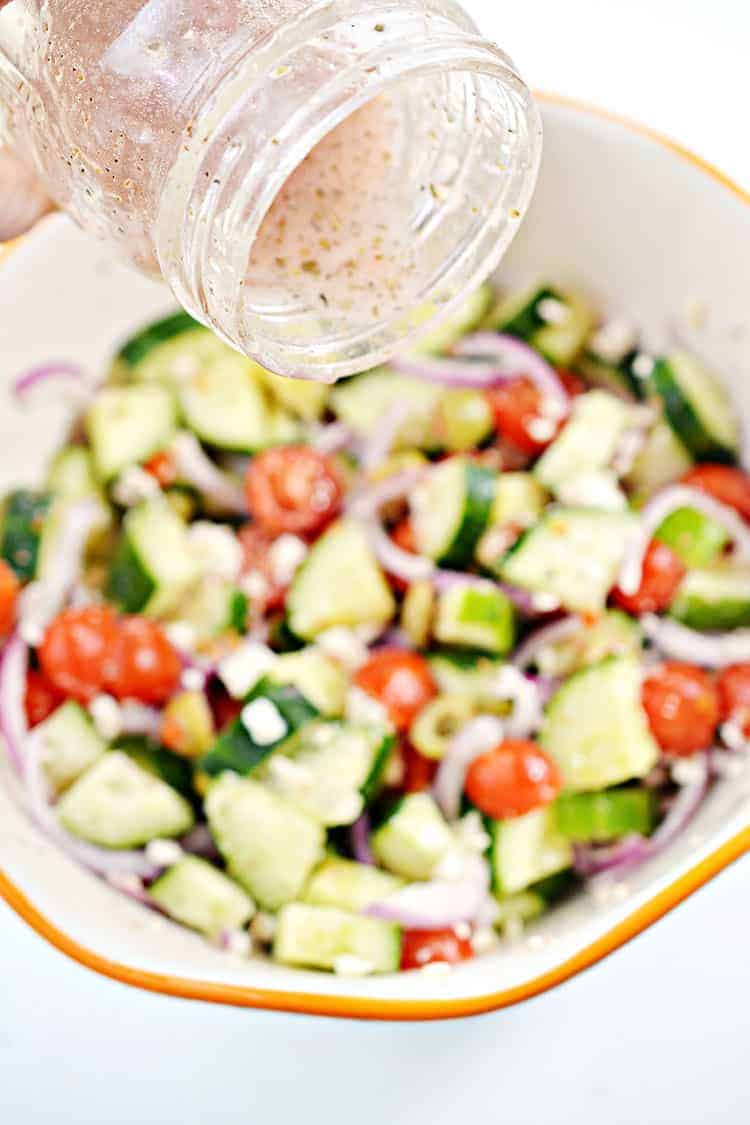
x=42 y=697
x=682 y=705
x=77 y=652
x=162 y=467
x=418 y=770
x=734 y=692
x=293 y=488
x=516 y=407
x=400 y=680
x=145 y=666
x=256 y=545
x=9 y=589
x=422 y=947
x=512 y=779
x=730 y=486
x=573 y=383
x=662 y=573
x=403 y=536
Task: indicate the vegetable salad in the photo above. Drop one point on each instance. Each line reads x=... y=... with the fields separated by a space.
x=364 y=677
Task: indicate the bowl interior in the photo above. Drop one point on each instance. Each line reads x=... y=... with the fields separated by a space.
x=617 y=214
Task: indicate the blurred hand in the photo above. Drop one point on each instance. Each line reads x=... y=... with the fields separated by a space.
x=22 y=200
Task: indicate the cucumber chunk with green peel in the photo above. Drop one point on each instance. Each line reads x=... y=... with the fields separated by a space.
x=572 y=554
x=153 y=351
x=117 y=804
x=462 y=421
x=468 y=316
x=556 y=324
x=596 y=729
x=413 y=839
x=303 y=397
x=588 y=440
x=697 y=407
x=270 y=846
x=200 y=896
x=69 y=744
x=613 y=633
x=24 y=515
x=321 y=679
x=598 y=817
x=172 y=768
x=519 y=499
x=126 y=425
x=362 y=402
x=617 y=378
x=714 y=598
x=241 y=748
x=321 y=937
x=339 y=583
x=348 y=885
x=694 y=537
x=526 y=849
x=463 y=673
x=154 y=565
x=476 y=616
x=451 y=510
x=212 y=606
x=662 y=460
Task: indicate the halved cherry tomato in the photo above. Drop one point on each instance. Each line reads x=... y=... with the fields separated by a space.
x=682 y=705
x=512 y=779
x=418 y=770
x=516 y=406
x=76 y=654
x=144 y=666
x=162 y=467
x=9 y=590
x=400 y=680
x=422 y=947
x=256 y=545
x=293 y=488
x=403 y=536
x=730 y=486
x=733 y=684
x=662 y=573
x=42 y=697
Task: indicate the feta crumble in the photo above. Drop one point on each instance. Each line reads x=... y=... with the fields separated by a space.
x=216 y=548
x=349 y=965
x=595 y=489
x=164 y=853
x=133 y=485
x=241 y=669
x=552 y=311
x=614 y=340
x=643 y=365
x=107 y=716
x=344 y=645
x=263 y=721
x=285 y=556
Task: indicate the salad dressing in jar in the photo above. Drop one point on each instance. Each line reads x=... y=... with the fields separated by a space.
x=315 y=181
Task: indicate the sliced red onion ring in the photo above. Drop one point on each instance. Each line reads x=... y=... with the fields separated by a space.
x=525 y=601
x=592 y=859
x=666 y=501
x=394 y=559
x=196 y=468
x=459 y=373
x=138 y=718
x=511 y=684
x=42 y=600
x=14 y=662
x=514 y=357
x=474 y=738
x=440 y=902
x=67 y=373
x=376 y=449
x=686 y=803
x=546 y=637
x=359 y=840
x=712 y=650
x=199 y=841
x=631 y=441
x=131 y=885
x=331 y=438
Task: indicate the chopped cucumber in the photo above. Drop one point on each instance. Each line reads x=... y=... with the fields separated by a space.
x=360 y=403
x=476 y=616
x=596 y=729
x=613 y=633
x=572 y=554
x=460 y=673
x=597 y=817
x=117 y=804
x=662 y=460
x=198 y=895
x=714 y=598
x=303 y=397
x=697 y=408
x=618 y=378
x=269 y=845
x=451 y=510
x=211 y=607
x=318 y=936
x=438 y=722
x=413 y=839
x=154 y=566
x=188 y=717
x=587 y=442
x=126 y=425
x=69 y=744
x=693 y=536
x=519 y=908
x=158 y=349
x=321 y=680
x=24 y=514
x=239 y=749
x=417 y=612
x=72 y=477
x=348 y=885
x=526 y=849
x=557 y=325
x=463 y=419
x=519 y=499
x=171 y=768
x=463 y=320
x=339 y=583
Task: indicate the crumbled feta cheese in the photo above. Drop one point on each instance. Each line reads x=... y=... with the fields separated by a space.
x=595 y=489
x=254 y=585
x=733 y=735
x=181 y=634
x=394 y=772
x=541 y=429
x=237 y=942
x=452 y=866
x=192 y=679
x=437 y=969
x=133 y=485
x=164 y=853
x=552 y=311
x=285 y=555
x=361 y=707
x=241 y=669
x=545 y=603
x=470 y=832
x=686 y=771
x=288 y=774
x=643 y=365
x=349 y=965
x=483 y=940
x=216 y=548
x=614 y=340
x=343 y=645
x=107 y=716
x=462 y=930
x=263 y=721
x=263 y=927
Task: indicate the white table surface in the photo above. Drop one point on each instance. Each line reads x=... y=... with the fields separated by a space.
x=656 y=1034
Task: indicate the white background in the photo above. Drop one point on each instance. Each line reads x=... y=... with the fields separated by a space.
x=658 y=1033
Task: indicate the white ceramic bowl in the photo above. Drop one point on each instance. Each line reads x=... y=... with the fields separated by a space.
x=648 y=229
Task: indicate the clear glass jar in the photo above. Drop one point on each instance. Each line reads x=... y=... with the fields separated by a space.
x=172 y=130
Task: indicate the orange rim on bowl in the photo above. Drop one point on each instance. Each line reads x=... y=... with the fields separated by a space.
x=354 y=1007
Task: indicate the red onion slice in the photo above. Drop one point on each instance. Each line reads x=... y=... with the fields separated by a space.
x=456 y=373
x=67 y=373
x=199 y=841
x=195 y=467
x=137 y=718
x=546 y=637
x=665 y=502
x=712 y=650
x=359 y=840
x=376 y=449
x=593 y=859
x=474 y=738
x=14 y=662
x=515 y=357
x=523 y=692
x=331 y=438
x=438 y=903
x=686 y=803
